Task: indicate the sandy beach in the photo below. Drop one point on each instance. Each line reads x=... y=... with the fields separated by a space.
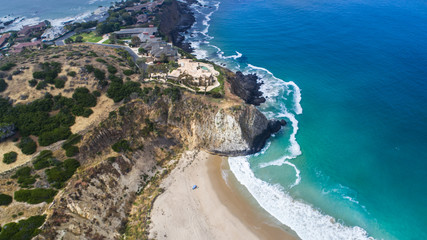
x=212 y=211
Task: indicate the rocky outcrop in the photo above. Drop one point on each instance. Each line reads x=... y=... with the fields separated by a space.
x=176 y=18
x=6 y=130
x=247 y=88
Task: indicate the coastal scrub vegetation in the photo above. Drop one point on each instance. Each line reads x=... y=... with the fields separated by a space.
x=10 y=157
x=58 y=175
x=44 y=159
x=7 y=66
x=121 y=146
x=5 y=199
x=3 y=85
x=24 y=177
x=24 y=229
x=35 y=196
x=27 y=145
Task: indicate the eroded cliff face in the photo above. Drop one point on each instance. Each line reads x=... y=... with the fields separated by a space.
x=96 y=202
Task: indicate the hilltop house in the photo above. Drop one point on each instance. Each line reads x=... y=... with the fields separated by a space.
x=3 y=39
x=17 y=48
x=28 y=30
x=130 y=32
x=158 y=49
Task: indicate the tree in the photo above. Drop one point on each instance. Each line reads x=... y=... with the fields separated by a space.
x=79 y=39
x=68 y=41
x=3 y=85
x=135 y=41
x=10 y=157
x=112 y=38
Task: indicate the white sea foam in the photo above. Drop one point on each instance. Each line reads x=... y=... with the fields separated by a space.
x=306 y=221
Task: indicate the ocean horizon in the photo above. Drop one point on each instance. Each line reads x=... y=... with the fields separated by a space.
x=350 y=80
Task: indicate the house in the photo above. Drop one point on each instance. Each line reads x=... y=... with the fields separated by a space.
x=17 y=48
x=27 y=30
x=141 y=18
x=159 y=49
x=129 y=32
x=4 y=38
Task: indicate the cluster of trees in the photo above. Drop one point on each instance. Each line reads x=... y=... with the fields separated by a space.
x=121 y=146
x=49 y=75
x=24 y=229
x=44 y=159
x=68 y=145
x=24 y=177
x=7 y=66
x=58 y=175
x=119 y=90
x=35 y=118
x=35 y=196
x=80 y=26
x=10 y=157
x=27 y=145
x=114 y=21
x=3 y=85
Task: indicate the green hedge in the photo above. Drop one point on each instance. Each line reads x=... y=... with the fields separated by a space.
x=35 y=196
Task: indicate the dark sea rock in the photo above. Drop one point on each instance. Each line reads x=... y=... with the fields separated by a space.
x=176 y=18
x=247 y=88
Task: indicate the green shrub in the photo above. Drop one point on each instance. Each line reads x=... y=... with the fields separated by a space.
x=59 y=83
x=27 y=145
x=84 y=98
x=73 y=139
x=99 y=74
x=121 y=146
x=35 y=196
x=57 y=134
x=96 y=93
x=24 y=229
x=7 y=66
x=10 y=157
x=3 y=85
x=5 y=199
x=101 y=60
x=25 y=179
x=41 y=85
x=128 y=72
x=39 y=75
x=89 y=68
x=111 y=69
x=72 y=73
x=32 y=82
x=43 y=160
x=58 y=175
x=71 y=151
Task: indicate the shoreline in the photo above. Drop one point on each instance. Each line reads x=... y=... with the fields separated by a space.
x=212 y=211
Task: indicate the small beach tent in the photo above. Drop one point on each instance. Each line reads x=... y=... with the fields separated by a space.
x=194 y=187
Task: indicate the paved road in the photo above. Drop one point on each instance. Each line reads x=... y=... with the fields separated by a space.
x=132 y=53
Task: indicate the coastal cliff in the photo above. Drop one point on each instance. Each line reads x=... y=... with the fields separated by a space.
x=96 y=202
x=175 y=19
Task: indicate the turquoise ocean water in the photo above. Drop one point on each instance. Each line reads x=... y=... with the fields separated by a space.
x=350 y=77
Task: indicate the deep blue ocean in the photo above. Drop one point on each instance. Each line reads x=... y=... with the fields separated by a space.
x=350 y=77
